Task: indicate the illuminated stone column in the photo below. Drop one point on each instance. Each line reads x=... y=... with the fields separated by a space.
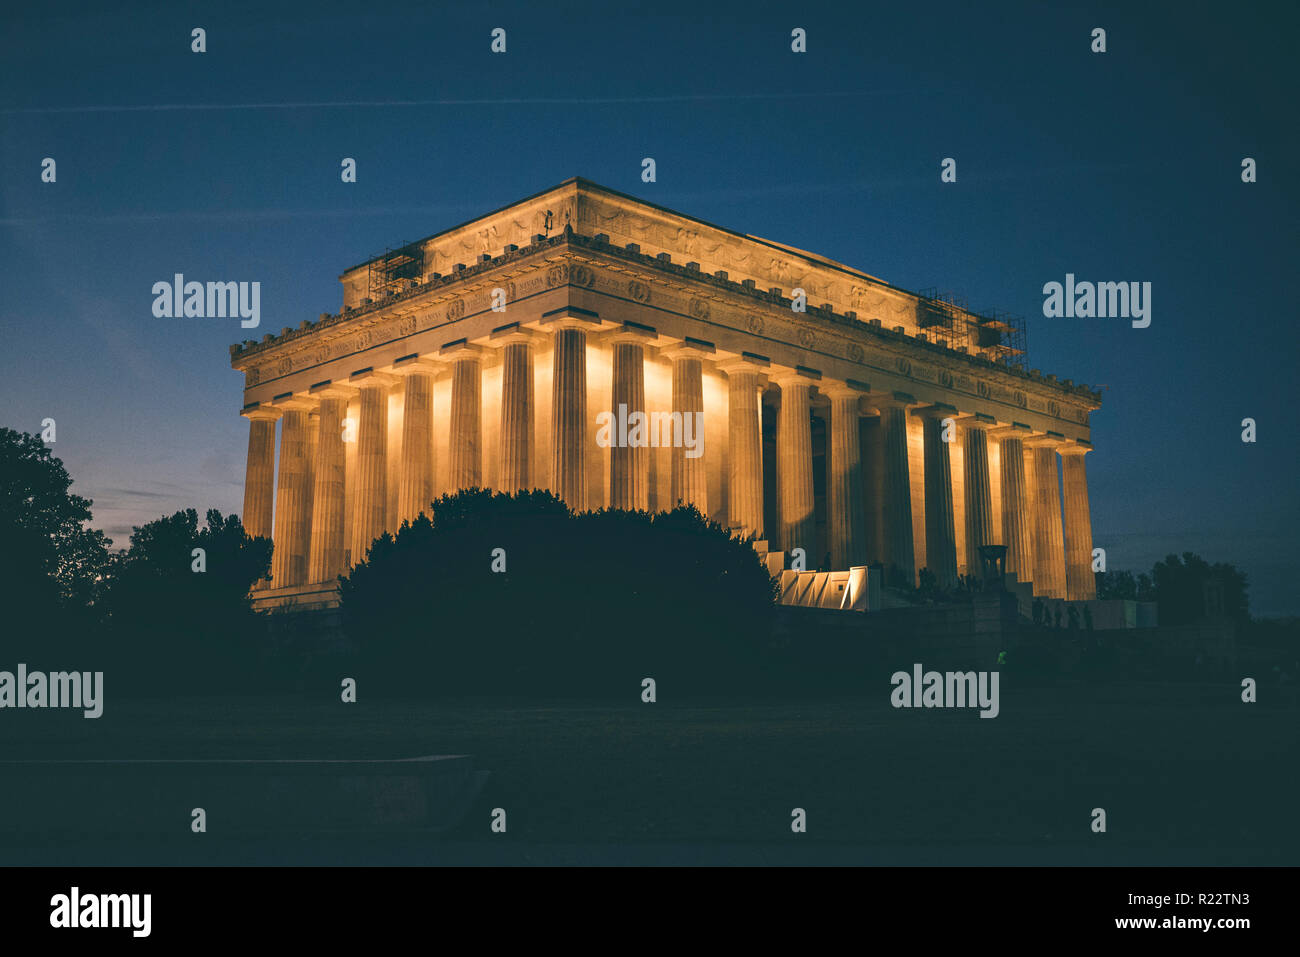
x=690 y=479
x=745 y=455
x=794 y=474
x=292 y=498
x=517 y=412
x=629 y=476
x=309 y=484
x=415 y=477
x=569 y=413
x=978 y=497
x=1080 y=584
x=465 y=447
x=329 y=497
x=1049 y=544
x=1017 y=513
x=897 y=538
x=940 y=536
x=370 y=517
x=259 y=477
x=844 y=505
x=873 y=487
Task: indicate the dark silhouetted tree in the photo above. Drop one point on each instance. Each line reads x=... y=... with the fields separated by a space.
x=51 y=564
x=164 y=618
x=1181 y=588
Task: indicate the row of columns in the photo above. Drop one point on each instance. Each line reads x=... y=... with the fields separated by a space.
x=310 y=495
x=1056 y=558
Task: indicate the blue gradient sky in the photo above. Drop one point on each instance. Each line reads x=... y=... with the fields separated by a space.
x=1122 y=166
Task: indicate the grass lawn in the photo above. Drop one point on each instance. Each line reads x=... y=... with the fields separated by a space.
x=1183 y=769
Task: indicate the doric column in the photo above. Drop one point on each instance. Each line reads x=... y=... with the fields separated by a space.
x=1049 y=544
x=1017 y=510
x=940 y=536
x=465 y=447
x=978 y=497
x=690 y=479
x=844 y=504
x=1080 y=584
x=897 y=533
x=259 y=477
x=309 y=484
x=415 y=476
x=745 y=454
x=326 y=556
x=292 y=498
x=794 y=474
x=629 y=475
x=569 y=413
x=517 y=412
x=873 y=488
x=370 y=517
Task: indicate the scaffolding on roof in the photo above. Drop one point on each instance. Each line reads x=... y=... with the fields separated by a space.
x=1001 y=337
x=942 y=316
x=395 y=270
x=995 y=334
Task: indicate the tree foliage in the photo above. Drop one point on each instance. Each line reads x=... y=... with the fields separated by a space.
x=164 y=615
x=51 y=564
x=1185 y=589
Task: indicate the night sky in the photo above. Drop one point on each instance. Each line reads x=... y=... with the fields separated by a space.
x=1123 y=166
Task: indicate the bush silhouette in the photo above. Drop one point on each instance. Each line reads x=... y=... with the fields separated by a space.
x=587 y=604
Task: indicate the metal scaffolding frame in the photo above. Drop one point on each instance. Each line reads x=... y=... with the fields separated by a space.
x=395 y=270
x=995 y=334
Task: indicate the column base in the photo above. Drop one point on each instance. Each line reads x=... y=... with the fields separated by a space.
x=290 y=598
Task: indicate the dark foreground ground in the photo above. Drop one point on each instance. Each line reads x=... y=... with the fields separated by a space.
x=1186 y=773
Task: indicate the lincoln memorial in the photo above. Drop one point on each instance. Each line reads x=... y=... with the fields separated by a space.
x=840 y=415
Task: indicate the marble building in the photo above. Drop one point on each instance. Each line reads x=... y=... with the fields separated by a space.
x=874 y=426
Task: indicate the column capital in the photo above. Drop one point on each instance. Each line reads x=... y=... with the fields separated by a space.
x=409 y=365
x=848 y=389
x=460 y=351
x=1048 y=441
x=975 y=420
x=1075 y=447
x=746 y=362
x=370 y=379
x=260 y=413
x=513 y=334
x=332 y=390
x=571 y=317
x=297 y=402
x=799 y=375
x=1015 y=430
x=632 y=333
x=689 y=349
x=938 y=410
x=891 y=400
